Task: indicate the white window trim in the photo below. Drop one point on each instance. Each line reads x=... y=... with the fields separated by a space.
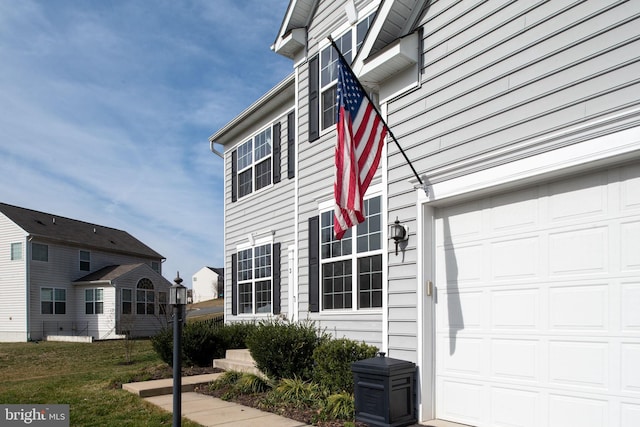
x=11 y=251
x=93 y=301
x=328 y=205
x=131 y=301
x=53 y=289
x=254 y=241
x=80 y=260
x=252 y=137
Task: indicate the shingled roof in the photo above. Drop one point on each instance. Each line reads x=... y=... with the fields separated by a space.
x=79 y=233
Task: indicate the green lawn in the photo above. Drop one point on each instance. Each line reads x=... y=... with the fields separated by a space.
x=87 y=377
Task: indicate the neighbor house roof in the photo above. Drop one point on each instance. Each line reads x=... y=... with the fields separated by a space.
x=219 y=271
x=77 y=233
x=109 y=273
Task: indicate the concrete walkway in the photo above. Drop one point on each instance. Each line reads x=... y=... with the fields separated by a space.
x=206 y=410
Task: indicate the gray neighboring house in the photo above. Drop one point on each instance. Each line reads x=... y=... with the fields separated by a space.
x=67 y=278
x=517 y=290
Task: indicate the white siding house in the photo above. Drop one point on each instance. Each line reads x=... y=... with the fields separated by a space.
x=517 y=290
x=64 y=277
x=205 y=283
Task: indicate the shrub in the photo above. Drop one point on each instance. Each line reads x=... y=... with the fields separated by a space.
x=162 y=343
x=332 y=363
x=235 y=334
x=202 y=342
x=284 y=349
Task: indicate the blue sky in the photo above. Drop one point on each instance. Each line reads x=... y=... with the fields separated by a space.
x=106 y=108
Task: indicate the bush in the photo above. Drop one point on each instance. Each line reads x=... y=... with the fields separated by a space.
x=332 y=363
x=202 y=341
x=339 y=406
x=283 y=349
x=162 y=343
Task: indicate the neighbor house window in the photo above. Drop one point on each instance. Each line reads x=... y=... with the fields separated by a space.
x=254 y=163
x=126 y=299
x=94 y=301
x=145 y=297
x=162 y=302
x=352 y=267
x=85 y=261
x=16 y=251
x=53 y=301
x=255 y=279
x=39 y=252
x=348 y=44
x=155 y=266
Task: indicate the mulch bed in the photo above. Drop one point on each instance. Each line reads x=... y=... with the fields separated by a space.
x=305 y=415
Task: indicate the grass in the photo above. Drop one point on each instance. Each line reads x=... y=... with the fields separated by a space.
x=84 y=376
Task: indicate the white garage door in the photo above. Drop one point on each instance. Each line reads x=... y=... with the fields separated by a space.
x=538 y=305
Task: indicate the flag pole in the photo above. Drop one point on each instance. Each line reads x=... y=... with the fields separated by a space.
x=364 y=91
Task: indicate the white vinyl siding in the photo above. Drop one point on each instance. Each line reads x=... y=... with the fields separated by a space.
x=13 y=279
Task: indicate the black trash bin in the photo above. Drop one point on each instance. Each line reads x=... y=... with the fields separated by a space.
x=384 y=391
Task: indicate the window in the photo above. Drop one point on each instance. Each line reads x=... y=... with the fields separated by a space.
x=145 y=297
x=53 y=301
x=85 y=261
x=155 y=266
x=16 y=251
x=126 y=300
x=348 y=46
x=254 y=163
x=254 y=279
x=353 y=262
x=40 y=252
x=162 y=302
x=94 y=301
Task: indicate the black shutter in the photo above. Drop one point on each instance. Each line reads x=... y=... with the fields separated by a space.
x=234 y=284
x=275 y=258
x=314 y=99
x=314 y=264
x=234 y=175
x=291 y=145
x=276 y=153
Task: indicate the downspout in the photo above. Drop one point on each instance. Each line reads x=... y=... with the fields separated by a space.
x=27 y=263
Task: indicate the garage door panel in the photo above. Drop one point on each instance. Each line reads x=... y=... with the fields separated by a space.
x=589 y=307
x=578 y=198
x=515 y=359
x=630 y=188
x=514 y=212
x=629 y=373
x=515 y=258
x=630 y=246
x=463 y=401
x=515 y=309
x=462 y=266
x=515 y=407
x=567 y=410
x=582 y=251
x=582 y=365
x=629 y=415
x=630 y=307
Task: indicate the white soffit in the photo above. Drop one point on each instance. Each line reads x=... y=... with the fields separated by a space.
x=398 y=56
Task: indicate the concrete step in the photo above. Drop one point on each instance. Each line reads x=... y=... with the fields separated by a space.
x=237 y=360
x=165 y=386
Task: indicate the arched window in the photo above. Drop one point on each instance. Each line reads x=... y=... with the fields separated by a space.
x=145 y=297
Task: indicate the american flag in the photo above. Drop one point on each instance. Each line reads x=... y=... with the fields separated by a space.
x=361 y=134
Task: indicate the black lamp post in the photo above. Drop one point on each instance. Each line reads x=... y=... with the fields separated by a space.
x=177 y=299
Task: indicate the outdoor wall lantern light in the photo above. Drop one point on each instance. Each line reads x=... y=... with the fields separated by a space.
x=178 y=299
x=398 y=233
